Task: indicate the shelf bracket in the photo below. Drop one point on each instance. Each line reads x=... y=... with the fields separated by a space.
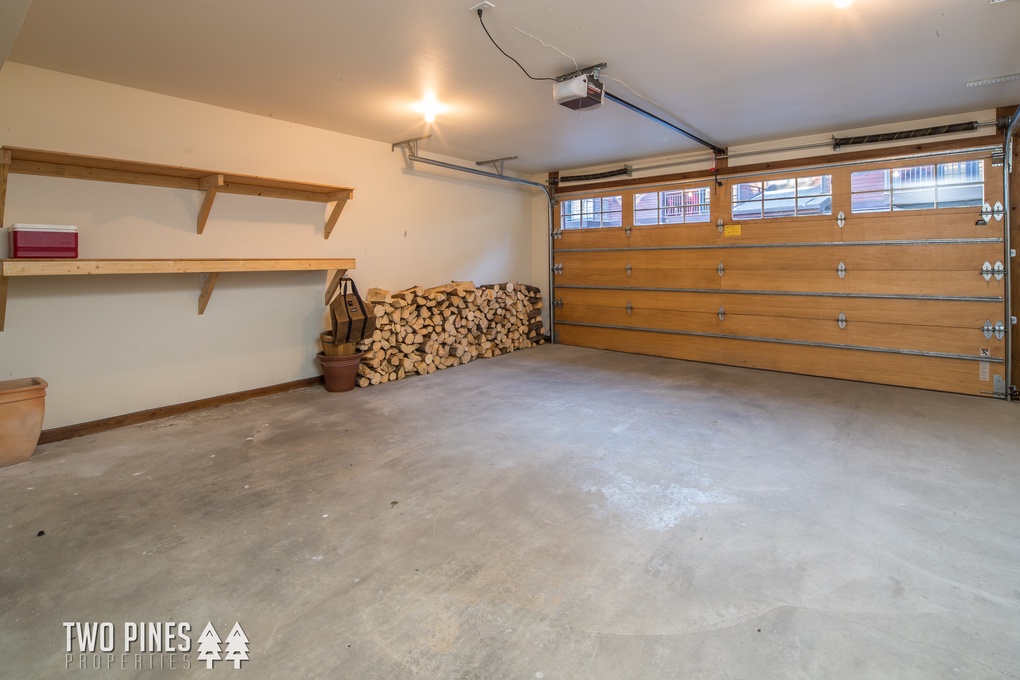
x=497 y=163
x=212 y=184
x=334 y=284
x=341 y=198
x=5 y=166
x=409 y=146
x=3 y=300
x=208 y=283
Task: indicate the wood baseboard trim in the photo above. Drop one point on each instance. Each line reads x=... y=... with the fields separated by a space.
x=103 y=424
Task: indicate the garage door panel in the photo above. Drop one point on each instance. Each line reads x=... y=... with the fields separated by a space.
x=865 y=283
x=919 y=225
x=916 y=312
x=613 y=237
x=688 y=347
x=808 y=231
x=647 y=278
x=968 y=257
x=873 y=310
x=936 y=339
x=947 y=375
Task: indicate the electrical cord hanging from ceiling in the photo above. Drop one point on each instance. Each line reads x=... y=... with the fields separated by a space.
x=553 y=47
x=482 y=22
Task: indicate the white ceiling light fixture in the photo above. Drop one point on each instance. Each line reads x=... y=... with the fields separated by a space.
x=989 y=81
x=842 y=4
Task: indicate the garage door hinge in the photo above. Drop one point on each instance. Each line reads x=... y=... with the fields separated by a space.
x=558 y=302
x=988 y=271
x=998 y=330
x=841 y=320
x=988 y=212
x=557 y=268
x=841 y=219
x=629 y=308
x=557 y=234
x=626 y=230
x=721 y=269
x=628 y=269
x=722 y=313
x=841 y=270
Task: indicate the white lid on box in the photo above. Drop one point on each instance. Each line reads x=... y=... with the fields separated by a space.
x=44 y=227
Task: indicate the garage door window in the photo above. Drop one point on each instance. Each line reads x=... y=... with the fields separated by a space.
x=788 y=197
x=592 y=213
x=676 y=206
x=919 y=187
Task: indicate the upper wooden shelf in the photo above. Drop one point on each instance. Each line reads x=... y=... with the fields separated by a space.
x=70 y=267
x=57 y=164
x=209 y=268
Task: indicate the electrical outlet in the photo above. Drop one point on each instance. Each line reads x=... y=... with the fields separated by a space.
x=483 y=6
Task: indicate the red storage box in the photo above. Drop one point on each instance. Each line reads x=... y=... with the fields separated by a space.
x=43 y=241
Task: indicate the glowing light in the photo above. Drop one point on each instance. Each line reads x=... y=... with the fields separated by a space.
x=430 y=107
x=842 y=4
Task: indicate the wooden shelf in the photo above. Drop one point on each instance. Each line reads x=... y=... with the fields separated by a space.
x=57 y=164
x=209 y=268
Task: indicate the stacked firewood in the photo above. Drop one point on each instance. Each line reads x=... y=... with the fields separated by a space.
x=419 y=331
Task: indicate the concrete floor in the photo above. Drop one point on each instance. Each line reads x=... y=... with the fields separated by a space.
x=554 y=513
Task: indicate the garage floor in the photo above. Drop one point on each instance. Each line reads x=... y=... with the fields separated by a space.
x=554 y=513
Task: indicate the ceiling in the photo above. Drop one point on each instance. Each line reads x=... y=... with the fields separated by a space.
x=731 y=71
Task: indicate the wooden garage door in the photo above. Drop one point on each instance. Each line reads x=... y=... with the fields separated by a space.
x=888 y=272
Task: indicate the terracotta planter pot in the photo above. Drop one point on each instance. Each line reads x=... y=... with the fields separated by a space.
x=22 y=403
x=339 y=372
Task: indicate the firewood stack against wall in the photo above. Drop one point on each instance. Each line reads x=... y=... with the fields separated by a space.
x=419 y=331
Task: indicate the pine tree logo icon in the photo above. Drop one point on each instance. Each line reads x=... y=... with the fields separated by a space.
x=209 y=646
x=237 y=645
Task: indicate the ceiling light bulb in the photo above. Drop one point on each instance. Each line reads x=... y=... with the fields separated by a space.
x=430 y=107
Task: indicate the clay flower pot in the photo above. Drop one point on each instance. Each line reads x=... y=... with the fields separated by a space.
x=340 y=372
x=22 y=403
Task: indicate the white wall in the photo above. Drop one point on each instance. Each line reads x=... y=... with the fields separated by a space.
x=116 y=344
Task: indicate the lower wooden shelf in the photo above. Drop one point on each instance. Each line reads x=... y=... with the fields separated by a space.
x=209 y=268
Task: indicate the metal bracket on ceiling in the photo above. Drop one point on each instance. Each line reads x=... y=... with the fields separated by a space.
x=409 y=145
x=497 y=163
x=587 y=71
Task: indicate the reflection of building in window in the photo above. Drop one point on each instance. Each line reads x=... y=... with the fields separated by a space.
x=592 y=213
x=787 y=197
x=919 y=187
x=674 y=206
